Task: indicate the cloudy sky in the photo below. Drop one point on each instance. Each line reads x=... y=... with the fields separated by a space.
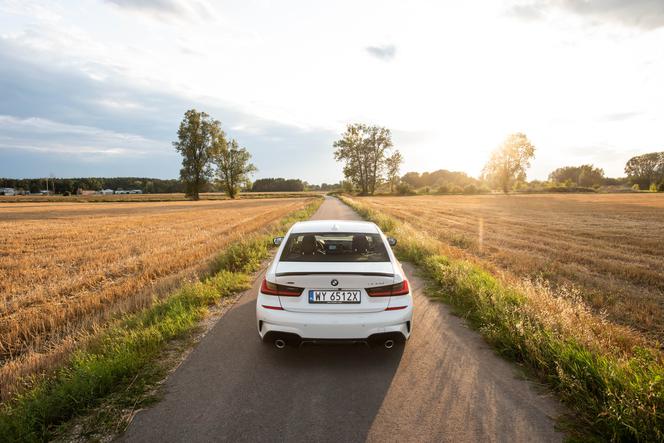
x=98 y=87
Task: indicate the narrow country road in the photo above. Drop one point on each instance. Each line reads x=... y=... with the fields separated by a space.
x=446 y=384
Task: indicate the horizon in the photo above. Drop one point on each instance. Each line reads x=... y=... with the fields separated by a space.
x=80 y=99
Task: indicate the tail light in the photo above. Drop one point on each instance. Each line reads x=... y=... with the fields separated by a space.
x=270 y=288
x=389 y=290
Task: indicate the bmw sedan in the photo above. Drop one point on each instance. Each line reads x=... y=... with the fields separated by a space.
x=334 y=281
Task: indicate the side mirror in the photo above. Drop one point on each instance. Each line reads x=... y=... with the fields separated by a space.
x=392 y=241
x=277 y=240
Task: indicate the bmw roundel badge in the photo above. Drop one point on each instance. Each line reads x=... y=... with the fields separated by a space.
x=334 y=282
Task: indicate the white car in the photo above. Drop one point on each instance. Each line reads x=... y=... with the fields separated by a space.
x=334 y=280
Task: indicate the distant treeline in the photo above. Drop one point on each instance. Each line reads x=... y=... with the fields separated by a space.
x=323 y=187
x=151 y=185
x=277 y=185
x=71 y=185
x=438 y=178
x=290 y=185
x=643 y=172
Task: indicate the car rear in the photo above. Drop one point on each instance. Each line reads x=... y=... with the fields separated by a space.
x=334 y=281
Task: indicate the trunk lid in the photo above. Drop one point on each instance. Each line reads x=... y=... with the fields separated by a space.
x=319 y=276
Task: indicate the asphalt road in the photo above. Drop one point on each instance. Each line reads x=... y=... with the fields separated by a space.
x=446 y=384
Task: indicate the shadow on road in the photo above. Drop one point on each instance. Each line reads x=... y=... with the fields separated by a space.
x=233 y=387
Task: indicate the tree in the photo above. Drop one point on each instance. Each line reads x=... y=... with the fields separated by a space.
x=364 y=150
x=233 y=166
x=590 y=176
x=646 y=169
x=393 y=164
x=509 y=162
x=197 y=136
x=584 y=175
x=413 y=179
x=438 y=178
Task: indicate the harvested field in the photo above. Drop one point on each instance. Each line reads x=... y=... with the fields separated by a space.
x=67 y=267
x=608 y=248
x=145 y=197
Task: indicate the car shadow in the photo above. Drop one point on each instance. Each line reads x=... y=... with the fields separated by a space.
x=235 y=387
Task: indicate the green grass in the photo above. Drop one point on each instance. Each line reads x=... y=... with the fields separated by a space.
x=620 y=399
x=124 y=360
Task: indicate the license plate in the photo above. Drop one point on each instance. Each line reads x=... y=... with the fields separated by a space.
x=334 y=296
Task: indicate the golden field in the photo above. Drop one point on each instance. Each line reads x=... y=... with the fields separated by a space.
x=66 y=268
x=147 y=197
x=606 y=248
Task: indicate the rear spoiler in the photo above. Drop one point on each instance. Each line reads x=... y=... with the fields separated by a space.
x=372 y=274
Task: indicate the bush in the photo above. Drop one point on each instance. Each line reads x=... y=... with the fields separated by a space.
x=470 y=189
x=653 y=187
x=404 y=188
x=456 y=189
x=660 y=188
x=635 y=187
x=443 y=189
x=569 y=189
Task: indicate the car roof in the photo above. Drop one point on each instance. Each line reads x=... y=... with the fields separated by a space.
x=335 y=226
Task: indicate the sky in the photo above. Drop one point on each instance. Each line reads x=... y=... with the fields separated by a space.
x=98 y=87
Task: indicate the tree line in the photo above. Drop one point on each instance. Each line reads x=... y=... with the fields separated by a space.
x=451 y=181
x=278 y=185
x=72 y=185
x=369 y=162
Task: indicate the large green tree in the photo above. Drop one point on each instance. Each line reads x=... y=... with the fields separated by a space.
x=364 y=150
x=233 y=165
x=508 y=163
x=197 y=136
x=646 y=169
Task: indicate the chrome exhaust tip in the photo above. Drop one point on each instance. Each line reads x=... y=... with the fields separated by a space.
x=389 y=344
x=279 y=343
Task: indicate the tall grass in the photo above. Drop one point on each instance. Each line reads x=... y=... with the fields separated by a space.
x=125 y=355
x=616 y=394
x=592 y=244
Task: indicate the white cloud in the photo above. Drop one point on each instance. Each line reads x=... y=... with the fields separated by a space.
x=169 y=9
x=385 y=52
x=646 y=14
x=43 y=135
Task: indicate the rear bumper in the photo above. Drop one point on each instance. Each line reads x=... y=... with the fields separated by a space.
x=334 y=326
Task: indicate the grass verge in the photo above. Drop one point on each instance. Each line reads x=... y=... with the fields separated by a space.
x=615 y=396
x=124 y=358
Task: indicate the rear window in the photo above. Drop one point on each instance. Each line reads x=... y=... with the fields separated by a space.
x=335 y=247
